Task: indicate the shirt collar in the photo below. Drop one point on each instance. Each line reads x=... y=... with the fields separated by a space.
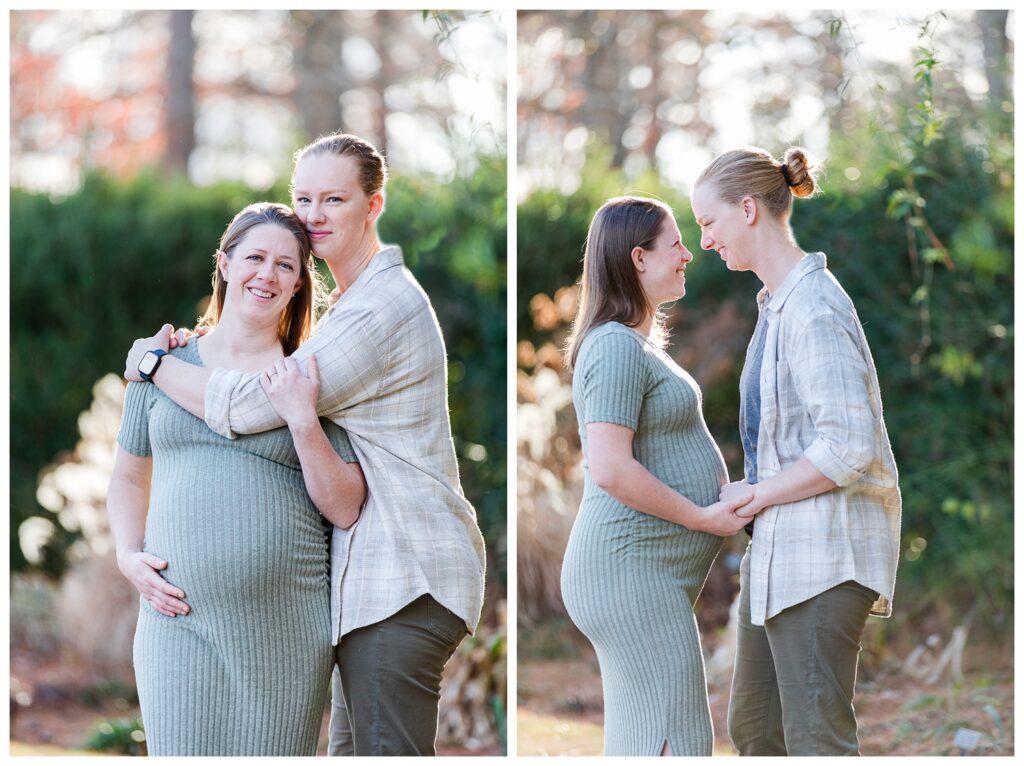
x=390 y=256
x=809 y=263
x=387 y=258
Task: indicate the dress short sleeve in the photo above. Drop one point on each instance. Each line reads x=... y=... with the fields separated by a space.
x=338 y=438
x=133 y=436
x=615 y=376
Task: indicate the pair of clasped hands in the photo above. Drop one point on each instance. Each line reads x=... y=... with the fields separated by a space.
x=746 y=499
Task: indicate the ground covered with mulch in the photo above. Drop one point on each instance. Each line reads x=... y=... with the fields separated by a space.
x=65 y=703
x=560 y=706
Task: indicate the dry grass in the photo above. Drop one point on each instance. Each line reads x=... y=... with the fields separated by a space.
x=560 y=707
x=541 y=734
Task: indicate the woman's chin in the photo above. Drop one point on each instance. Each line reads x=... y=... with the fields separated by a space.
x=324 y=251
x=667 y=299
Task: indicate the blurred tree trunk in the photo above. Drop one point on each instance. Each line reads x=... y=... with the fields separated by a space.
x=833 y=76
x=386 y=27
x=996 y=46
x=651 y=96
x=318 y=71
x=608 y=105
x=180 y=105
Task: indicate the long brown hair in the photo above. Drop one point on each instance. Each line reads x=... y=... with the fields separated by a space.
x=753 y=172
x=297 y=319
x=610 y=290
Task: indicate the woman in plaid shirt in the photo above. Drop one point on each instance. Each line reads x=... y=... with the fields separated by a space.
x=407 y=581
x=825 y=544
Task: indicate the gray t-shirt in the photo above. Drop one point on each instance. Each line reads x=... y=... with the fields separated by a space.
x=750 y=386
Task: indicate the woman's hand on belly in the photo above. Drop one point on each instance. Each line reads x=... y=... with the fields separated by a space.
x=140 y=568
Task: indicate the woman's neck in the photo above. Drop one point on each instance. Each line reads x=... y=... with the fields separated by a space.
x=778 y=254
x=238 y=345
x=347 y=267
x=645 y=327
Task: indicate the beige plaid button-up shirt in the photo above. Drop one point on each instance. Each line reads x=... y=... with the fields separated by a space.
x=383 y=375
x=820 y=400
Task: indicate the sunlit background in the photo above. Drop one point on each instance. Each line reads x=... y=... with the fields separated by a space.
x=135 y=137
x=227 y=94
x=912 y=115
x=671 y=95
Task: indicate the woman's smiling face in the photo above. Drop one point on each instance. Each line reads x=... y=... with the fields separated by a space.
x=724 y=227
x=662 y=268
x=262 y=273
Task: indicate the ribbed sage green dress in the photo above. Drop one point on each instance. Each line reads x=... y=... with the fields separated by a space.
x=630 y=579
x=248 y=670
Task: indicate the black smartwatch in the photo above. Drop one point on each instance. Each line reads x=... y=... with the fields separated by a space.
x=151 y=363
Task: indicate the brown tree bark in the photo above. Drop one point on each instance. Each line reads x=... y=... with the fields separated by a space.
x=993 y=38
x=318 y=71
x=179 y=104
x=386 y=25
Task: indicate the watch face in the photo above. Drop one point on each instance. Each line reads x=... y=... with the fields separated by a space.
x=149 y=363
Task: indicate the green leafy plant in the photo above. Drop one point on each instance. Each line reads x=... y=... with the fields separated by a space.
x=125 y=737
x=115 y=260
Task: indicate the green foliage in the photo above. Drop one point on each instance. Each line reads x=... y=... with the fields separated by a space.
x=919 y=231
x=115 y=260
x=92 y=272
x=553 y=230
x=547 y=640
x=115 y=689
x=946 y=376
x=124 y=737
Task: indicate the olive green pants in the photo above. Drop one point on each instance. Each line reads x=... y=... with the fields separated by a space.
x=792 y=688
x=387 y=681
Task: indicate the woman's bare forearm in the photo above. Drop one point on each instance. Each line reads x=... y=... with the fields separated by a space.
x=127 y=508
x=636 y=487
x=128 y=502
x=617 y=472
x=798 y=482
x=184 y=384
x=337 y=488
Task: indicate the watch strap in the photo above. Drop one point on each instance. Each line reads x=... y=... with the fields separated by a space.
x=160 y=354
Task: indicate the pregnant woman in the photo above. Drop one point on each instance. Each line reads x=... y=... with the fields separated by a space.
x=407 y=581
x=825 y=546
x=233 y=645
x=650 y=524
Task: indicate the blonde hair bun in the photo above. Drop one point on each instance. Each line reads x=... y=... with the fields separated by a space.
x=799 y=173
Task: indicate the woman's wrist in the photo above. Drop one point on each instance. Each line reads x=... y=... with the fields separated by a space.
x=127 y=550
x=302 y=425
x=123 y=556
x=762 y=496
x=691 y=515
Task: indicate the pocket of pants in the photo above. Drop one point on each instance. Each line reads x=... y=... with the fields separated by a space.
x=861 y=592
x=443 y=623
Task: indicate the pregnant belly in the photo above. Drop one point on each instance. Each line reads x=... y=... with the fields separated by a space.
x=258 y=553
x=618 y=559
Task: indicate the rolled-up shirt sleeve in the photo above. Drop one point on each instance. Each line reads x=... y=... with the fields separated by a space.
x=351 y=350
x=832 y=379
